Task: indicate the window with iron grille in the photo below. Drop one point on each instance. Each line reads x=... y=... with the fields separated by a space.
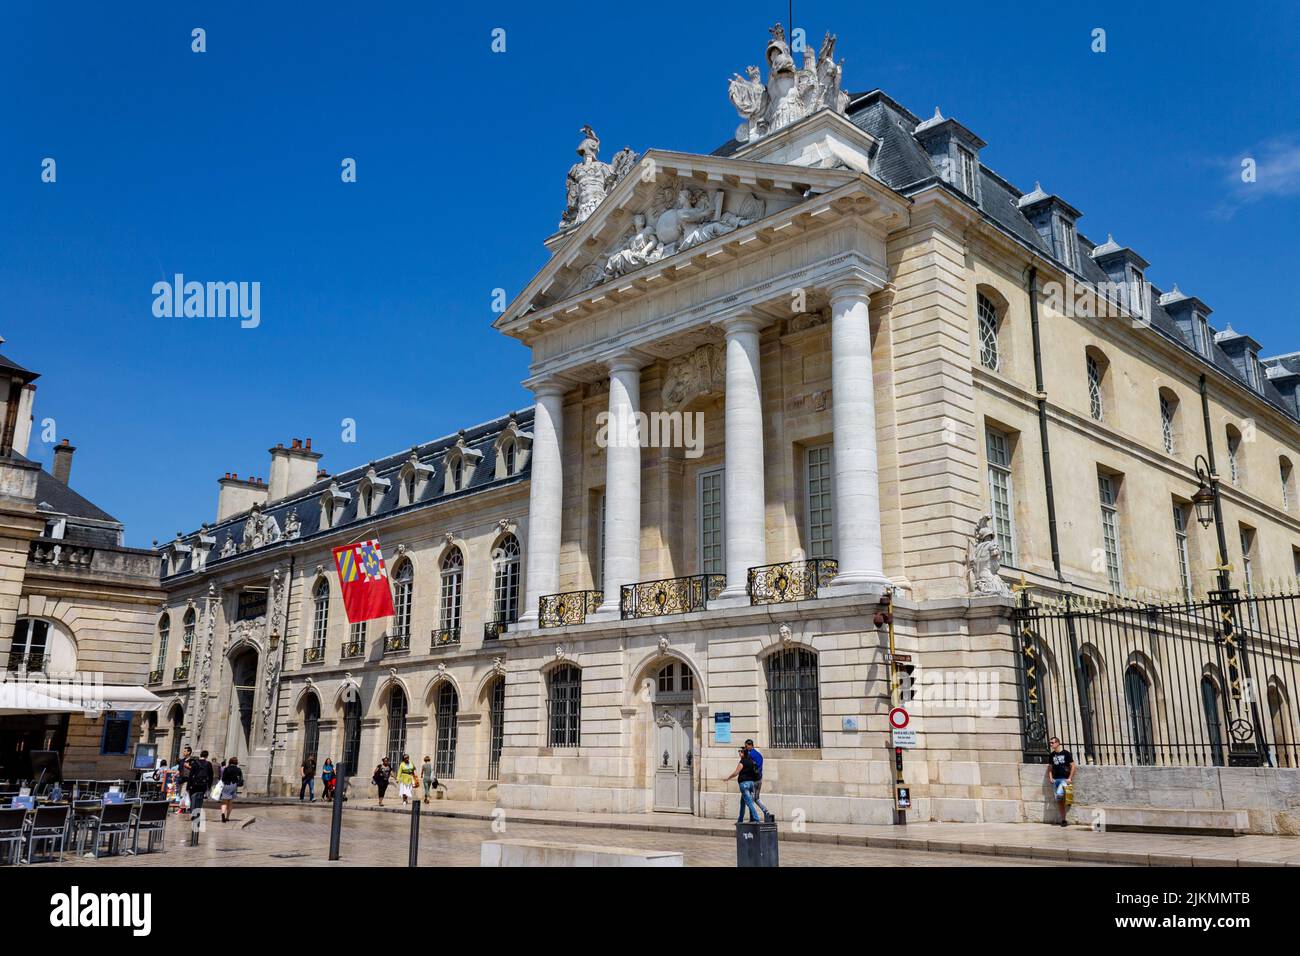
x=1167 y=423
x=321 y=616
x=793 y=708
x=403 y=585
x=310 y=726
x=1094 y=388
x=351 y=734
x=164 y=634
x=1000 y=503
x=505 y=581
x=497 y=724
x=1180 y=546
x=453 y=571
x=448 y=708
x=821 y=514
x=396 y=725
x=988 y=331
x=28 y=649
x=564 y=707
x=1110 y=530
x=713 y=556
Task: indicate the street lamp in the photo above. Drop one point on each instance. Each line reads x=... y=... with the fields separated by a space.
x=1207 y=495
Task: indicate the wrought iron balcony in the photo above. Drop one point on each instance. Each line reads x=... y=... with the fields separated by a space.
x=397 y=643
x=156 y=677
x=181 y=673
x=792 y=581
x=571 y=607
x=445 y=637
x=670 y=596
x=314 y=654
x=32 y=662
x=353 y=649
x=492 y=630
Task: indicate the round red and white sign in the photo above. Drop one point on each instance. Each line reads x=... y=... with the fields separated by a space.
x=898 y=718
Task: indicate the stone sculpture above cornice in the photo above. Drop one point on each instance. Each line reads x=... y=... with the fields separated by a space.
x=789 y=94
x=590 y=181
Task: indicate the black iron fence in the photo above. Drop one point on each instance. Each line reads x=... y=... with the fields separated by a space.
x=1195 y=683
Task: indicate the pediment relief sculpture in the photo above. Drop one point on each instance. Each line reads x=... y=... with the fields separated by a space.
x=789 y=94
x=590 y=180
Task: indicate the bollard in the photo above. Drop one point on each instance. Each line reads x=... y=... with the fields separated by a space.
x=336 y=818
x=415 y=833
x=196 y=817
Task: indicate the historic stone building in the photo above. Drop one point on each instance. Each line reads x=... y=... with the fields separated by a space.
x=77 y=613
x=837 y=358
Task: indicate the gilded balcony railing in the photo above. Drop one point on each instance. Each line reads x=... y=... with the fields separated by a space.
x=353 y=649
x=314 y=654
x=181 y=673
x=670 y=596
x=155 y=677
x=492 y=630
x=791 y=581
x=445 y=637
x=397 y=643
x=571 y=607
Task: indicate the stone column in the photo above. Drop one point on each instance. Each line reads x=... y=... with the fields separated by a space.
x=622 y=558
x=545 y=501
x=853 y=421
x=744 y=504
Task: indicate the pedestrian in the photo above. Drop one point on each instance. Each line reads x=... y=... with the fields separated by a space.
x=745 y=770
x=383 y=773
x=183 y=771
x=405 y=779
x=198 y=783
x=327 y=778
x=1060 y=774
x=308 y=778
x=428 y=779
x=232 y=778
x=757 y=757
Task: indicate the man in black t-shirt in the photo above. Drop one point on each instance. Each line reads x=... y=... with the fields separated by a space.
x=1060 y=773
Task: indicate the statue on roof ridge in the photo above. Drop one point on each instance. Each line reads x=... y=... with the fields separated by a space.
x=590 y=180
x=790 y=94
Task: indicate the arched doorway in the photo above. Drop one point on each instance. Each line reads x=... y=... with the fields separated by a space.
x=673 y=750
x=351 y=732
x=177 y=720
x=496 y=696
x=243 y=692
x=310 y=726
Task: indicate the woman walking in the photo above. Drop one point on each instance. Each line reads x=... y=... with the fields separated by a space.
x=747 y=771
x=327 y=777
x=232 y=778
x=428 y=779
x=383 y=773
x=405 y=779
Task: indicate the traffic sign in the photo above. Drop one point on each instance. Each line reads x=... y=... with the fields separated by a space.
x=898 y=718
x=904 y=739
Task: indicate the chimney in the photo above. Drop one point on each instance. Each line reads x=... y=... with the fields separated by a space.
x=63 y=460
x=293 y=469
x=238 y=495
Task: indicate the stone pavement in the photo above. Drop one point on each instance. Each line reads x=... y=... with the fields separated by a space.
x=292 y=836
x=1004 y=840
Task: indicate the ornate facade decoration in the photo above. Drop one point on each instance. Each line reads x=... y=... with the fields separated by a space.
x=228 y=546
x=786 y=633
x=590 y=181
x=984 y=560
x=789 y=94
x=259 y=530
x=698 y=374
x=274 y=657
x=663 y=645
x=498 y=666
x=292 y=524
x=210 y=605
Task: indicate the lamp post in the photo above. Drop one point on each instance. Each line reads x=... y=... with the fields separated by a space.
x=1209 y=508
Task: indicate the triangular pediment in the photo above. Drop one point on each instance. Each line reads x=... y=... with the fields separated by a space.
x=669 y=205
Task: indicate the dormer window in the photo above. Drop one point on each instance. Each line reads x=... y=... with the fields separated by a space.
x=508 y=456
x=371 y=493
x=408 y=488
x=1137 y=293
x=512 y=447
x=1205 y=338
x=332 y=504
x=1067 y=243
x=459 y=465
x=966 y=170
x=457 y=474
x=412 y=479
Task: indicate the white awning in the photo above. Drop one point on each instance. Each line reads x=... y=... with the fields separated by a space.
x=71 y=697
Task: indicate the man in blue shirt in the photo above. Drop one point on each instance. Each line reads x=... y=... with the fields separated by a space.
x=757 y=757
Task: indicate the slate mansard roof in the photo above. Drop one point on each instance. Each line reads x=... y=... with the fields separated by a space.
x=481 y=438
x=902 y=163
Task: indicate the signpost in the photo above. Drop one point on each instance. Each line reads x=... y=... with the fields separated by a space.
x=898 y=716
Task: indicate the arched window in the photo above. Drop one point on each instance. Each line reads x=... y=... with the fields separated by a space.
x=320 y=621
x=176 y=716
x=448 y=708
x=988 y=332
x=29 y=650
x=457 y=473
x=164 y=634
x=453 y=573
x=1095 y=365
x=793 y=707
x=1213 y=719
x=367 y=499
x=396 y=724
x=673 y=679
x=327 y=513
x=408 y=484
x=564 y=707
x=1089 y=699
x=310 y=726
x=1137 y=698
x=403 y=586
x=505 y=581
x=508 y=451
x=351 y=732
x=1234 y=454
x=497 y=726
x=1168 y=427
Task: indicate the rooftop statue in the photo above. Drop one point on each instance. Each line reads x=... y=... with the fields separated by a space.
x=789 y=94
x=590 y=180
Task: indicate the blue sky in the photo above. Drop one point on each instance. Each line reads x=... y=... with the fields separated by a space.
x=376 y=295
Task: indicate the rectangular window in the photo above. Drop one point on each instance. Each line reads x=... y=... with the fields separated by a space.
x=1295 y=562
x=1094 y=389
x=713 y=554
x=1106 y=487
x=821 y=514
x=1137 y=297
x=1247 y=568
x=1000 y=505
x=967 y=161
x=1167 y=424
x=1180 y=546
x=1206 y=342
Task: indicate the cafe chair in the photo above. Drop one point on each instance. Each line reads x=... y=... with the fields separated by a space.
x=152 y=819
x=114 y=824
x=48 y=824
x=12 y=827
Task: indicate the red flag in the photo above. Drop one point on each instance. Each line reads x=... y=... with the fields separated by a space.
x=364 y=581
